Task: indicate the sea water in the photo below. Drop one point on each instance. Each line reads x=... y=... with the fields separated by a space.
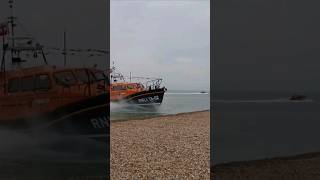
x=174 y=102
x=259 y=125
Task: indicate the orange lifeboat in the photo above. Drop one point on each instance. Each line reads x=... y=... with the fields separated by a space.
x=47 y=97
x=66 y=100
x=134 y=92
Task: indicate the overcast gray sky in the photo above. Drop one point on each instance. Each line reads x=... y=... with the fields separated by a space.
x=267 y=45
x=168 y=39
x=86 y=23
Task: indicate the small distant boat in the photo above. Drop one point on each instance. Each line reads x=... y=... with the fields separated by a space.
x=149 y=93
x=297 y=97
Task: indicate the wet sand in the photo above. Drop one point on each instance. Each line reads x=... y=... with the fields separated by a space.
x=306 y=167
x=168 y=147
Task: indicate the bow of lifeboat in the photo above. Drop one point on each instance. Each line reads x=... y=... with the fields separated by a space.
x=136 y=93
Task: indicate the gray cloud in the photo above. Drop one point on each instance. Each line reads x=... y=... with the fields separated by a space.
x=267 y=45
x=168 y=39
x=85 y=23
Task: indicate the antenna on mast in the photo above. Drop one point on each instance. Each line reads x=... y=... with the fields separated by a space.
x=12 y=23
x=65 y=47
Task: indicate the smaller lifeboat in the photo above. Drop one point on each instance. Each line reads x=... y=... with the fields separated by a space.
x=298 y=97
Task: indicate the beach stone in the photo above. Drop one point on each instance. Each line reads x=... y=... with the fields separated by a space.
x=168 y=147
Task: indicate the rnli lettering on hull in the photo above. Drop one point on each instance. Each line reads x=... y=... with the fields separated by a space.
x=100 y=122
x=38 y=102
x=149 y=99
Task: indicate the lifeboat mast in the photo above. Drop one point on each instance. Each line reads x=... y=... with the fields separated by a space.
x=15 y=48
x=9 y=43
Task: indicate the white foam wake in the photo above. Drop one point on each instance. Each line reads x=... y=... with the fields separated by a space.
x=195 y=93
x=281 y=100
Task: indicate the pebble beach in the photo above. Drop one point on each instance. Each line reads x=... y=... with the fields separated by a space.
x=166 y=147
x=305 y=166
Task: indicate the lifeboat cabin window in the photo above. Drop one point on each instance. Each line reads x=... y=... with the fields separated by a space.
x=100 y=76
x=92 y=76
x=130 y=86
x=42 y=82
x=82 y=76
x=119 y=88
x=14 y=85
x=27 y=83
x=65 y=78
